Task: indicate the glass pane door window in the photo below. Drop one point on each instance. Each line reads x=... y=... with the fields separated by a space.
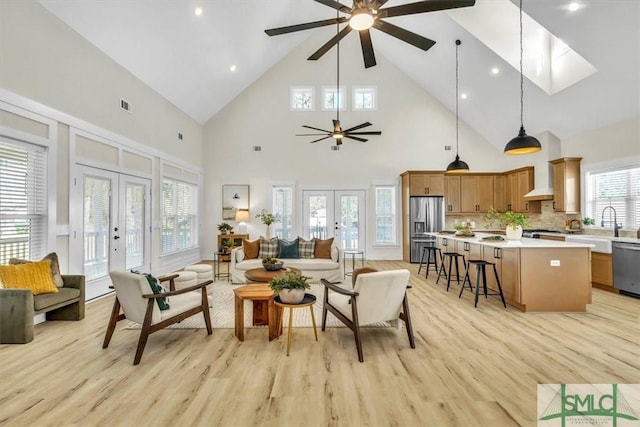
x=135 y=220
x=97 y=217
x=351 y=214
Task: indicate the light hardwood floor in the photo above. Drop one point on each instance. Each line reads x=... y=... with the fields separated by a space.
x=471 y=367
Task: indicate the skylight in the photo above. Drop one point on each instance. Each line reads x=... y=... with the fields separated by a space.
x=548 y=61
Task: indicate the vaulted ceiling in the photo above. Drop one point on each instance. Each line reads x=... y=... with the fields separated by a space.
x=187 y=58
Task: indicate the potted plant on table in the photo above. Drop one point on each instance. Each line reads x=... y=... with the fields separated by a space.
x=514 y=223
x=290 y=287
x=224 y=228
x=272 y=264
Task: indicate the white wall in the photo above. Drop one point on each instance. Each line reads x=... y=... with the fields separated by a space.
x=415 y=128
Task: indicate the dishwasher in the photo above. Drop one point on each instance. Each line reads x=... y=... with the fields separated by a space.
x=626 y=273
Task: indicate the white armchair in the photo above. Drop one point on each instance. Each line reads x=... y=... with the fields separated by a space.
x=138 y=302
x=375 y=297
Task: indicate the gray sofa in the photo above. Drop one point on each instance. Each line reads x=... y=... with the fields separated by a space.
x=19 y=306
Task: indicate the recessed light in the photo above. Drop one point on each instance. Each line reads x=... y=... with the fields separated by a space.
x=232 y=68
x=574 y=6
x=198 y=11
x=495 y=70
x=463 y=96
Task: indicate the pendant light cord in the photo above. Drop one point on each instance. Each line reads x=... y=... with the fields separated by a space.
x=521 y=76
x=457 y=97
x=337 y=99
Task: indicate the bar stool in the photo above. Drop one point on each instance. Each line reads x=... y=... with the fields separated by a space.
x=481 y=276
x=432 y=259
x=451 y=256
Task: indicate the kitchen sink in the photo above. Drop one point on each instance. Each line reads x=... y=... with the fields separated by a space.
x=601 y=244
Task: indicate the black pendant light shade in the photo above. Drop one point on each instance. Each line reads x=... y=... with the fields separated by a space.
x=457 y=166
x=523 y=143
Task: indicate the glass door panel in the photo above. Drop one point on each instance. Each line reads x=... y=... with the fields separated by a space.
x=96 y=224
x=134 y=225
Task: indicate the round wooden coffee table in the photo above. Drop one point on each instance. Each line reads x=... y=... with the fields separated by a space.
x=260 y=275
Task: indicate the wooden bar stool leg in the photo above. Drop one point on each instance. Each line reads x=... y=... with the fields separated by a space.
x=289 y=332
x=313 y=321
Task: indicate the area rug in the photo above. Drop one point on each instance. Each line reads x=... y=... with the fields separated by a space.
x=221 y=301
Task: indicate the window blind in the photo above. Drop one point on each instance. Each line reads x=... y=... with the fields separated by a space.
x=23 y=200
x=385 y=215
x=619 y=189
x=179 y=215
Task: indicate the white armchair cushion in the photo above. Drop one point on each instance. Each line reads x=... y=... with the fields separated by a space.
x=181 y=303
x=129 y=289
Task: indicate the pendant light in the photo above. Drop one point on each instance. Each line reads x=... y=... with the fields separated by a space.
x=523 y=143
x=457 y=166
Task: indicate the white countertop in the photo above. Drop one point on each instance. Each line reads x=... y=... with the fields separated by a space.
x=596 y=236
x=522 y=243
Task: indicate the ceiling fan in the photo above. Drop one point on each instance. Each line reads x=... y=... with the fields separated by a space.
x=338 y=133
x=369 y=13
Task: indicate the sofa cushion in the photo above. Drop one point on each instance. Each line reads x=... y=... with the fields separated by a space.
x=251 y=249
x=33 y=275
x=300 y=263
x=306 y=248
x=323 y=248
x=42 y=301
x=288 y=249
x=55 y=267
x=268 y=248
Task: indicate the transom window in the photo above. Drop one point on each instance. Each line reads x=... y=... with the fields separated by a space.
x=364 y=98
x=332 y=98
x=619 y=189
x=302 y=98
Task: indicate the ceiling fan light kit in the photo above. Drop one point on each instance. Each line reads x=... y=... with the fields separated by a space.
x=457 y=166
x=366 y=14
x=523 y=143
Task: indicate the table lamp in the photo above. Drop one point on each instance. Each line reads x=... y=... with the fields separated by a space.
x=242 y=216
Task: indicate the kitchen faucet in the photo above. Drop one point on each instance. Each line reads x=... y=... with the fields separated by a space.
x=616 y=227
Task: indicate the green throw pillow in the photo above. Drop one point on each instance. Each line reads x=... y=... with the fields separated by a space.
x=156 y=287
x=288 y=249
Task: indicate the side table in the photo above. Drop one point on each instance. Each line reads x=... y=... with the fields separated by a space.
x=354 y=254
x=263 y=301
x=308 y=301
x=225 y=259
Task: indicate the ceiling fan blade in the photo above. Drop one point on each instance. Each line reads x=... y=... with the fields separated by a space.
x=355 y=137
x=405 y=35
x=312 y=134
x=367 y=49
x=321 y=139
x=373 y=132
x=360 y=126
x=328 y=45
x=335 y=5
x=306 y=26
x=423 y=6
x=379 y=3
x=321 y=130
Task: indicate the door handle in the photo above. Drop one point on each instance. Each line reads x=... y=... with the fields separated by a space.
x=116 y=237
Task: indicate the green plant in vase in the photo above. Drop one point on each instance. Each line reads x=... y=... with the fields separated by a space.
x=224 y=228
x=514 y=223
x=290 y=287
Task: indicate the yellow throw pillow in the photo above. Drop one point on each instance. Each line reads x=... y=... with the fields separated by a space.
x=34 y=275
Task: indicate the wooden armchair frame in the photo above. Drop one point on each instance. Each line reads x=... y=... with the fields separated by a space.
x=355 y=325
x=148 y=328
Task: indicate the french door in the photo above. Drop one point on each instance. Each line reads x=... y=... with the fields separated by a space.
x=114 y=226
x=335 y=213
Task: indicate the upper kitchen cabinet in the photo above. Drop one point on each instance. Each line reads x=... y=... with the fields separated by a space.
x=566 y=184
x=520 y=182
x=452 y=193
x=424 y=183
x=476 y=192
x=500 y=196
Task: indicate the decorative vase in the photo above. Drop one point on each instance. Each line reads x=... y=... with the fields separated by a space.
x=267 y=233
x=514 y=232
x=291 y=296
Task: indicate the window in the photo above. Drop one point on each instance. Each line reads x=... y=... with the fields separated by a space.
x=386 y=217
x=332 y=98
x=364 y=98
x=619 y=189
x=302 y=98
x=283 y=205
x=23 y=201
x=179 y=215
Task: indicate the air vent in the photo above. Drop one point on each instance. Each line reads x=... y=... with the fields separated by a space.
x=335 y=148
x=257 y=148
x=447 y=148
x=179 y=136
x=125 y=105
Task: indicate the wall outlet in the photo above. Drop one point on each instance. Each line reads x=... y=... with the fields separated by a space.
x=555 y=263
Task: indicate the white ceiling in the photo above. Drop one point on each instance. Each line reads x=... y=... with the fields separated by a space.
x=186 y=58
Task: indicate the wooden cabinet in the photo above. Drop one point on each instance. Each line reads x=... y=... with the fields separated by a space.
x=476 y=193
x=426 y=183
x=500 y=193
x=519 y=183
x=510 y=274
x=566 y=184
x=452 y=193
x=237 y=239
x=601 y=270
x=556 y=238
x=406 y=212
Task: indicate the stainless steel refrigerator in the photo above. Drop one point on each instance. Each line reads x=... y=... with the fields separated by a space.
x=426 y=215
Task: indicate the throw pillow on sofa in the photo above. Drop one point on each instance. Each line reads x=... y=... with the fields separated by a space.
x=306 y=248
x=323 y=248
x=268 y=248
x=288 y=249
x=33 y=275
x=55 y=267
x=251 y=249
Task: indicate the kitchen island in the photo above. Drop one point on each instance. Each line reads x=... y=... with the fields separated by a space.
x=536 y=275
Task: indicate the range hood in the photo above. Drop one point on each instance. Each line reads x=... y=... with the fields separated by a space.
x=543 y=189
